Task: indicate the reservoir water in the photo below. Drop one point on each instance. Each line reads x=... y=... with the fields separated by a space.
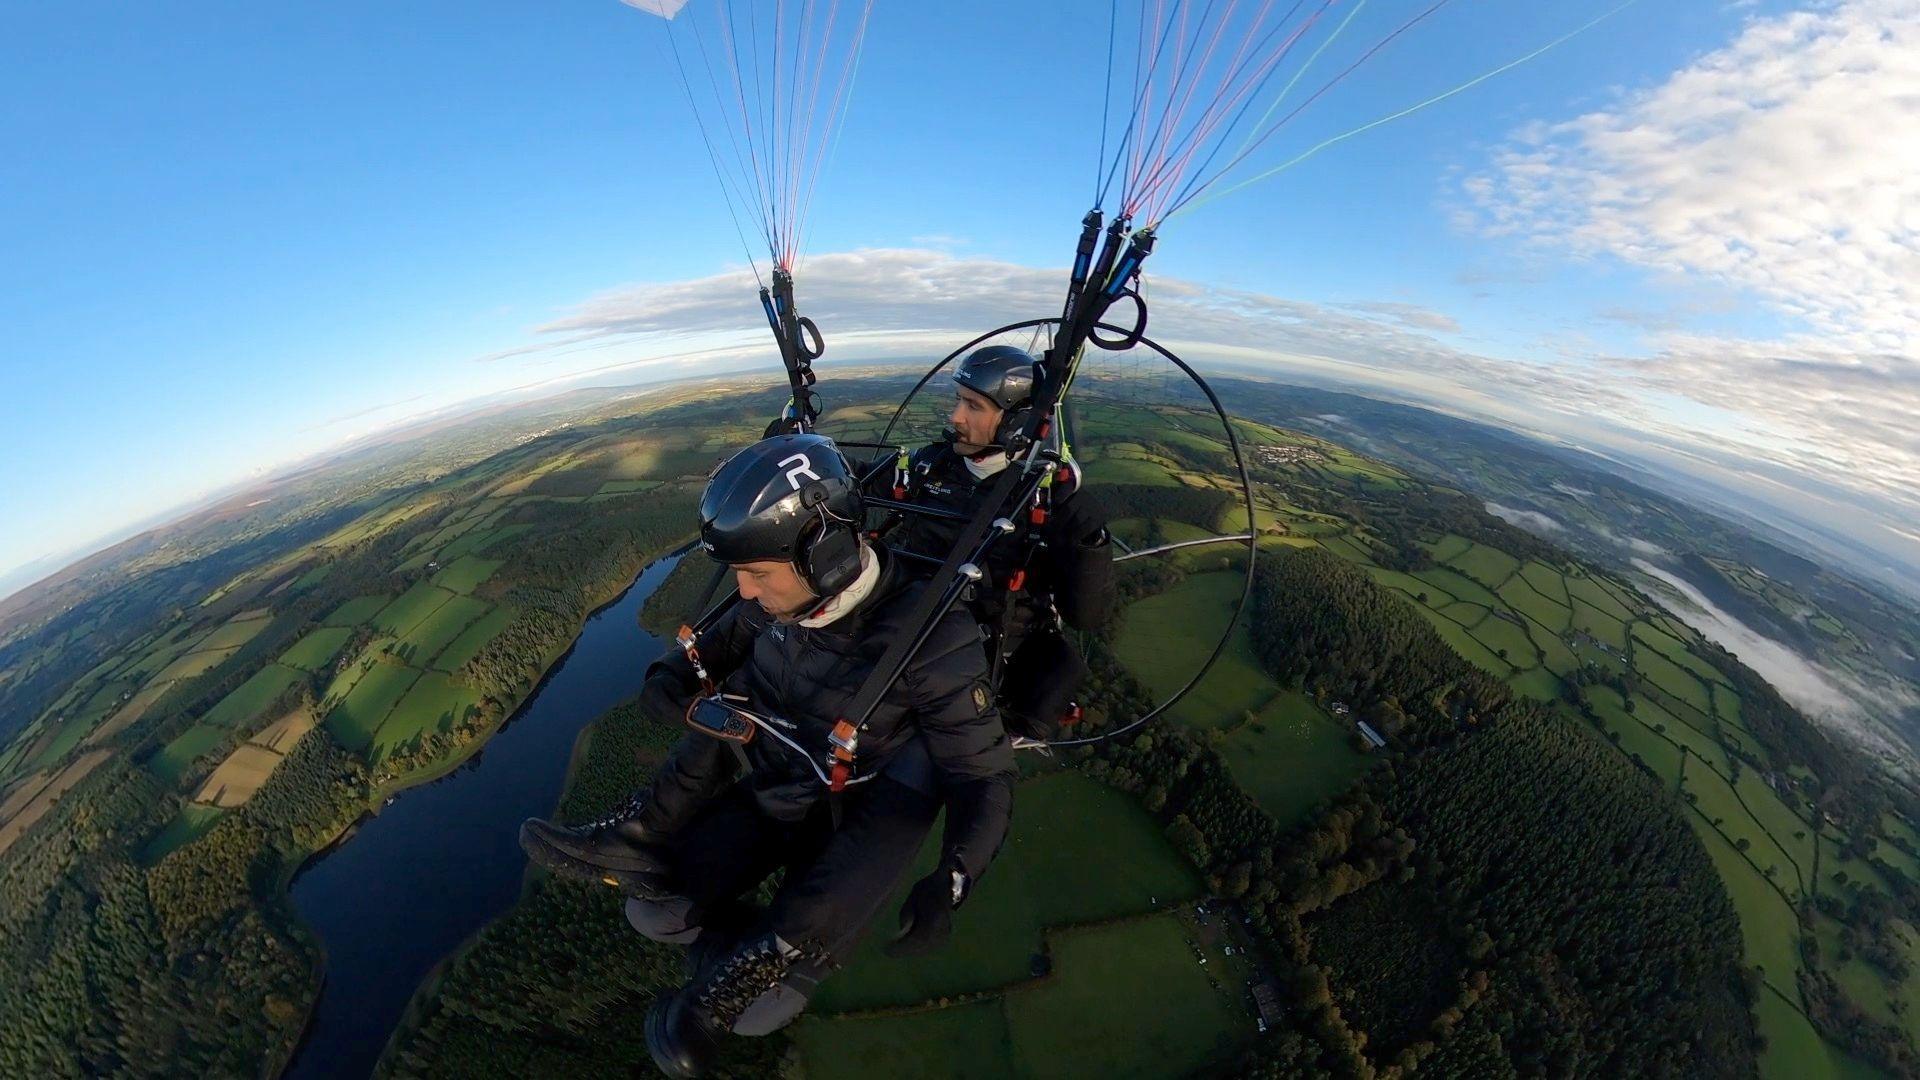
x=412 y=883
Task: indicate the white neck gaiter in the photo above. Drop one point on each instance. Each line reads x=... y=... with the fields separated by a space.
x=853 y=595
x=988 y=465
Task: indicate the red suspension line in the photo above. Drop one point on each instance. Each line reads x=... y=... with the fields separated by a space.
x=1236 y=76
x=1199 y=138
x=1298 y=109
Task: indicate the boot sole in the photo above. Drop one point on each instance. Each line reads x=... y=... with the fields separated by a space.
x=559 y=860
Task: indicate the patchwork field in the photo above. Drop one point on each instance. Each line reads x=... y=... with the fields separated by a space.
x=1168 y=636
x=1079 y=852
x=29 y=809
x=1292 y=756
x=1682 y=725
x=315 y=651
x=356 y=719
x=253 y=696
x=173 y=761
x=192 y=823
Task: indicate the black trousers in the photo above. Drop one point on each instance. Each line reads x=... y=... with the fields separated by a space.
x=1043 y=672
x=837 y=878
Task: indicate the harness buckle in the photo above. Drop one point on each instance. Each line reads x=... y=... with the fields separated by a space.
x=685 y=638
x=1017 y=581
x=845 y=739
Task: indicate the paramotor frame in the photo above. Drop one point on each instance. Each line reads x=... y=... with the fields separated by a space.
x=1250 y=538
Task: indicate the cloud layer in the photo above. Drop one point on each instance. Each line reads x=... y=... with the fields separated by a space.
x=1827 y=431
x=1785 y=166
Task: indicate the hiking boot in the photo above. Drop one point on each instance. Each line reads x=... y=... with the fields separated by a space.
x=618 y=850
x=685 y=1027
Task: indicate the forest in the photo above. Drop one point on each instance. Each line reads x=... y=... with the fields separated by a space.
x=128 y=949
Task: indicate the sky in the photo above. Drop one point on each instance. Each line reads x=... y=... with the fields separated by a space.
x=237 y=234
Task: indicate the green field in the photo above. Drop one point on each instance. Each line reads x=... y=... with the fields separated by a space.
x=1465 y=643
x=356 y=719
x=1506 y=639
x=433 y=702
x=964 y=1042
x=411 y=608
x=173 y=760
x=1459 y=586
x=478 y=541
x=1600 y=626
x=1079 y=851
x=1523 y=597
x=1598 y=596
x=236 y=633
x=356 y=611
x=1637 y=740
x=194 y=663
x=191 y=823
x=1292 y=756
x=435 y=632
x=463 y=575
x=1128 y=1000
x=317 y=650
x=1672 y=678
x=252 y=696
x=1486 y=565
x=1167 y=637
x=71 y=732
x=473 y=639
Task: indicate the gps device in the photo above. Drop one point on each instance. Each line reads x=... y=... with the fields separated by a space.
x=715 y=716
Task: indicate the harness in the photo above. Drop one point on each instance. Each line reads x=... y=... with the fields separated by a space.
x=726 y=717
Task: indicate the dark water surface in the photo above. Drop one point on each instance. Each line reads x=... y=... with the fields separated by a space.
x=415 y=881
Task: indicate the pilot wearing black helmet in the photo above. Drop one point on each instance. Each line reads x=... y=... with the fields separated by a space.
x=1057 y=571
x=773 y=776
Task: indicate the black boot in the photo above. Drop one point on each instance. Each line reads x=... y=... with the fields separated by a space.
x=620 y=850
x=722 y=930
x=684 y=1028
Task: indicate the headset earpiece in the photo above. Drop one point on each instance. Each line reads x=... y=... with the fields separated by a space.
x=832 y=558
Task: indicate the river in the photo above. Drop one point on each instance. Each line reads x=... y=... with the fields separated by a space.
x=412 y=883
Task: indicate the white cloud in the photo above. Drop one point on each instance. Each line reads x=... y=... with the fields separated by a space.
x=1824 y=694
x=1813 y=456
x=1785 y=166
x=1531 y=520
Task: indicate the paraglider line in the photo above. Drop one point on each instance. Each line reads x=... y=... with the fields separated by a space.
x=1222 y=103
x=1195 y=179
x=1106 y=105
x=714 y=158
x=837 y=112
x=1182 y=207
x=1317 y=94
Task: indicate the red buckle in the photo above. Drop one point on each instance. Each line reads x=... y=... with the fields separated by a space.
x=837 y=778
x=1037 y=516
x=1018 y=580
x=899 y=493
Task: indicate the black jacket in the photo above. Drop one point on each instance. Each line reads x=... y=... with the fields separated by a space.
x=1069 y=564
x=807 y=676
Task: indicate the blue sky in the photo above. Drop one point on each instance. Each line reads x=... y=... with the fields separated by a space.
x=238 y=233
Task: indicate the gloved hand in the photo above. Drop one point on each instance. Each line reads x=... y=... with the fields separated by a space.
x=926 y=919
x=663 y=700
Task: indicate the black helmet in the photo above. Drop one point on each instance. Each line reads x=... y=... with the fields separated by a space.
x=791 y=498
x=1006 y=376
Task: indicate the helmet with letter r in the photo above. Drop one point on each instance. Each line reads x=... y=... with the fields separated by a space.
x=790 y=498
